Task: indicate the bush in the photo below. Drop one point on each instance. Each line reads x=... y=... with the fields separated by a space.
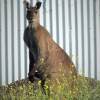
x=82 y=89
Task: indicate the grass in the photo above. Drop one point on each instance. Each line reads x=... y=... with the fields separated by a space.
x=82 y=89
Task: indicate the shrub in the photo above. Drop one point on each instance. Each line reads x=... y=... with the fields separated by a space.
x=82 y=89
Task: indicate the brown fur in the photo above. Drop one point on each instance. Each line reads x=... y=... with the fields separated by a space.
x=56 y=59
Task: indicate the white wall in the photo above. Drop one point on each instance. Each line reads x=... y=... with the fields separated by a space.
x=74 y=24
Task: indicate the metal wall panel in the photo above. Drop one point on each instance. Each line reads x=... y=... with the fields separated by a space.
x=12 y=48
x=73 y=24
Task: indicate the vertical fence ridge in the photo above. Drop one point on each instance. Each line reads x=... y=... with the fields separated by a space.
x=31 y=2
x=82 y=36
x=19 y=39
x=6 y=41
x=51 y=29
x=88 y=35
x=25 y=48
x=12 y=32
x=44 y=13
x=95 y=43
x=57 y=21
x=63 y=23
x=70 y=28
x=76 y=33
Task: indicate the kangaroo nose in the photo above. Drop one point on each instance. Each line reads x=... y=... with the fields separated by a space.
x=29 y=15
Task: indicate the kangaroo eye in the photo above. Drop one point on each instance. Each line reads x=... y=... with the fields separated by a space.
x=35 y=12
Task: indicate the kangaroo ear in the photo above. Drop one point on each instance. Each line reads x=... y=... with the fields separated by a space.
x=38 y=5
x=26 y=3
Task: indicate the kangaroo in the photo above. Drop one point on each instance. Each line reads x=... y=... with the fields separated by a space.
x=47 y=59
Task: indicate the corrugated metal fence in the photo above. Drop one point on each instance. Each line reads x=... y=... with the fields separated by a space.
x=74 y=24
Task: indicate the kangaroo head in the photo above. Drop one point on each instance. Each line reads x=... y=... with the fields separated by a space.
x=32 y=12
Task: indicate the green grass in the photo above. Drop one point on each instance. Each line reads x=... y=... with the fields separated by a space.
x=82 y=89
